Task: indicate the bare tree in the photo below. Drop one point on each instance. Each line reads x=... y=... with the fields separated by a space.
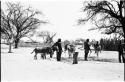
x=107 y=15
x=42 y=34
x=22 y=20
x=6 y=29
x=47 y=36
x=30 y=35
x=50 y=37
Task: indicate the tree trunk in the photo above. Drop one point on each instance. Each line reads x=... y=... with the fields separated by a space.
x=124 y=32
x=16 y=43
x=10 y=48
x=124 y=42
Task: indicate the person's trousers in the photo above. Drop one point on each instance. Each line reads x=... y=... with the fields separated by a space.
x=59 y=56
x=121 y=56
x=75 y=56
x=86 y=54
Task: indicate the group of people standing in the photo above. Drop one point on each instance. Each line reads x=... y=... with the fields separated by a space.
x=87 y=50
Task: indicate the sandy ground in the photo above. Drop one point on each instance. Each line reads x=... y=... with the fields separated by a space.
x=20 y=66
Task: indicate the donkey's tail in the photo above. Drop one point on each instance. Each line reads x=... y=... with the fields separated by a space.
x=33 y=50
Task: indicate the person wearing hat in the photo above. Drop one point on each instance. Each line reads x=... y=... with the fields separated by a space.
x=59 y=52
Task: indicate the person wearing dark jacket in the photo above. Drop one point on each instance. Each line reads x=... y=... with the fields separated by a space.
x=59 y=52
x=120 y=52
x=86 y=48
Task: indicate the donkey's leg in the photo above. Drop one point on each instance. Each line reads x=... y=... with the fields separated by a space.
x=35 y=56
x=42 y=56
x=100 y=50
x=95 y=51
x=51 y=55
x=70 y=55
x=45 y=55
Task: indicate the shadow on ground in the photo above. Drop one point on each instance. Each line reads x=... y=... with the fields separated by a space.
x=92 y=58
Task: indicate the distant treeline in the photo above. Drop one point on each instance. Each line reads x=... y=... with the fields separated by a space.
x=106 y=44
x=110 y=44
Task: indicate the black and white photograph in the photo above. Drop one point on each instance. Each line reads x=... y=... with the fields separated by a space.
x=62 y=40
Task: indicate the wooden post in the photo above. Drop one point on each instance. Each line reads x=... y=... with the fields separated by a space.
x=75 y=56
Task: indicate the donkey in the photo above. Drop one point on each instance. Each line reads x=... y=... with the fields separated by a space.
x=44 y=51
x=70 y=48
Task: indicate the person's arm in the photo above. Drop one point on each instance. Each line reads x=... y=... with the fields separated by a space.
x=55 y=44
x=81 y=48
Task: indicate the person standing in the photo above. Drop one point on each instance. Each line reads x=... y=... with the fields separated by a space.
x=75 y=54
x=120 y=52
x=86 y=48
x=59 y=52
x=97 y=48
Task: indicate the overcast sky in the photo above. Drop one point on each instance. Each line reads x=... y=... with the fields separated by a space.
x=63 y=16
